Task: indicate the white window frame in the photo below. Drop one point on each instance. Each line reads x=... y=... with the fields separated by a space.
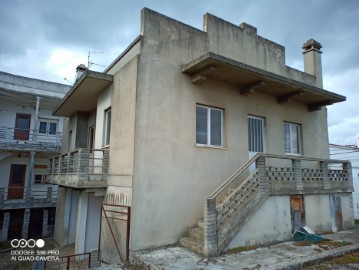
x=106 y=127
x=299 y=146
x=43 y=178
x=48 y=122
x=256 y=143
x=209 y=109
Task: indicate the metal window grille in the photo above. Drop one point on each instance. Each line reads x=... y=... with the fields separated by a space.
x=256 y=134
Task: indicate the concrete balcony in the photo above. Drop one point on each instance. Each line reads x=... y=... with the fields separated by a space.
x=29 y=140
x=32 y=197
x=82 y=168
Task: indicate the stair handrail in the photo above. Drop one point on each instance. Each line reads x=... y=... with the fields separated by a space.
x=233 y=177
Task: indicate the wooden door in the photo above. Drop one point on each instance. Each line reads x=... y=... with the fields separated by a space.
x=297 y=212
x=22 y=126
x=16 y=181
x=15 y=224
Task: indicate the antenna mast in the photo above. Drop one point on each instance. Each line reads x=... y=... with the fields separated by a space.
x=89 y=60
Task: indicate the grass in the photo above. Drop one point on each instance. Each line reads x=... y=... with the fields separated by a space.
x=340 y=261
x=240 y=249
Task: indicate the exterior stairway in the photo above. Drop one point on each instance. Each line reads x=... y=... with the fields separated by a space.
x=229 y=207
x=193 y=240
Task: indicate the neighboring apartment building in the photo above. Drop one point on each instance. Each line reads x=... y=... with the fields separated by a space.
x=351 y=153
x=29 y=136
x=197 y=128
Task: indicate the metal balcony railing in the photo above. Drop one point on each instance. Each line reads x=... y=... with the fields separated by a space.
x=24 y=197
x=80 y=168
x=29 y=139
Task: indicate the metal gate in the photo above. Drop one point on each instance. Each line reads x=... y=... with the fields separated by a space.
x=114 y=233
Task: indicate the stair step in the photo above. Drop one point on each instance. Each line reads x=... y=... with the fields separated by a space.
x=196 y=233
x=200 y=223
x=192 y=244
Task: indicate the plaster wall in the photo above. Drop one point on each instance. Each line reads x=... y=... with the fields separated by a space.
x=93 y=222
x=270 y=223
x=317 y=213
x=121 y=165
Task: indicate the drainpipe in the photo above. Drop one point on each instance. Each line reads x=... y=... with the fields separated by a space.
x=34 y=137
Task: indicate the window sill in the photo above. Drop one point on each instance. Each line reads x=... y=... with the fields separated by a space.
x=293 y=154
x=210 y=146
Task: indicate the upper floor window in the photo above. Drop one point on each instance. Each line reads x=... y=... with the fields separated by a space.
x=47 y=126
x=209 y=126
x=107 y=127
x=292 y=138
x=255 y=134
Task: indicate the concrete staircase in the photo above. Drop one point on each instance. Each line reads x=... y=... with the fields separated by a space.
x=193 y=240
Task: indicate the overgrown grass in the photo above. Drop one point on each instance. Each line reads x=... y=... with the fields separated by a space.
x=240 y=249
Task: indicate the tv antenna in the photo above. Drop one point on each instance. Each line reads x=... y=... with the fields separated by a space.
x=68 y=81
x=89 y=60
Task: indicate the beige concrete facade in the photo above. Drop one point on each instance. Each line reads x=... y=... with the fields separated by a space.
x=155 y=165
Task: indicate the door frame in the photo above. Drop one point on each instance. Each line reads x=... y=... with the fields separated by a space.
x=16 y=190
x=22 y=134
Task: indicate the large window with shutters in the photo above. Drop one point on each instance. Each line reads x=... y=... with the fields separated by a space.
x=292 y=138
x=209 y=126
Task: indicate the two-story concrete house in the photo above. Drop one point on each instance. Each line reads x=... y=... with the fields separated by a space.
x=29 y=136
x=201 y=129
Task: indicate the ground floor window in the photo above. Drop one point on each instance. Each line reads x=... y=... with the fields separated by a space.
x=209 y=126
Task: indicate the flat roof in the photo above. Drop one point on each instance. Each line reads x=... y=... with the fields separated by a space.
x=83 y=94
x=250 y=79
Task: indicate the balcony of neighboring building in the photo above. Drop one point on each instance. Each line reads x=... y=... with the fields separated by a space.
x=28 y=197
x=24 y=139
x=82 y=168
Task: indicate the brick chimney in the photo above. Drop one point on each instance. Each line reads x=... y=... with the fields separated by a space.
x=80 y=70
x=313 y=60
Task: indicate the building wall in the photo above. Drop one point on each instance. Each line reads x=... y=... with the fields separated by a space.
x=272 y=221
x=172 y=175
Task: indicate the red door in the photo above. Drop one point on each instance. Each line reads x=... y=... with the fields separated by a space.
x=16 y=181
x=22 y=126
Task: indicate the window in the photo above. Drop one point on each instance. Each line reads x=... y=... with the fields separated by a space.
x=107 y=127
x=47 y=127
x=40 y=179
x=209 y=126
x=255 y=134
x=292 y=138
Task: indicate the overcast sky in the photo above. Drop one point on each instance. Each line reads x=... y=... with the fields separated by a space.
x=47 y=39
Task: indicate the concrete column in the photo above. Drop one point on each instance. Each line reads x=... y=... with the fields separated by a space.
x=36 y=129
x=210 y=228
x=297 y=166
x=347 y=167
x=313 y=60
x=2 y=194
x=5 y=227
x=25 y=224
x=105 y=162
x=49 y=194
x=81 y=223
x=261 y=166
x=30 y=180
x=83 y=164
x=45 y=231
x=325 y=172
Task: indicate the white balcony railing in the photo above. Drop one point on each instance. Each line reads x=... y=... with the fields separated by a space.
x=29 y=139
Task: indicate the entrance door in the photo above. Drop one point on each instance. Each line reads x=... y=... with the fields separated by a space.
x=15 y=224
x=35 y=224
x=22 y=127
x=297 y=212
x=16 y=181
x=256 y=143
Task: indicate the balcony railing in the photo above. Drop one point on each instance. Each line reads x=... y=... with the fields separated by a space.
x=27 y=197
x=29 y=139
x=80 y=168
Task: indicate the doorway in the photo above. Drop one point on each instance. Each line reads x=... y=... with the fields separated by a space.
x=22 y=126
x=35 y=223
x=256 y=134
x=297 y=212
x=15 y=224
x=16 y=181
